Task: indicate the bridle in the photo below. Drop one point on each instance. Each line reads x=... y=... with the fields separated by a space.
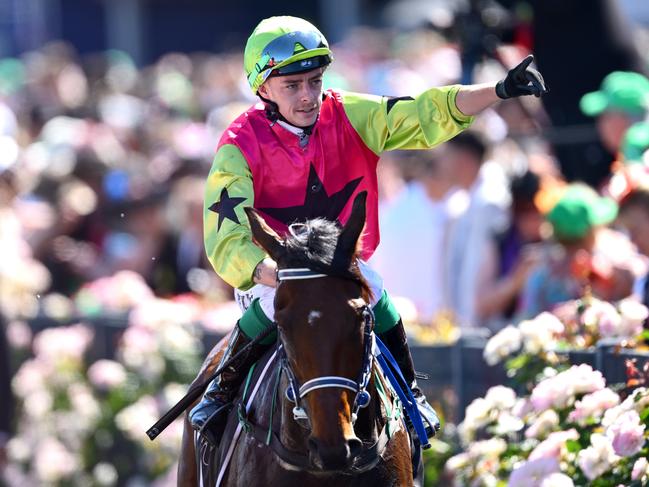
x=359 y=386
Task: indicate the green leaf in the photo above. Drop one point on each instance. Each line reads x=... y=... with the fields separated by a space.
x=517 y=362
x=573 y=446
x=644 y=415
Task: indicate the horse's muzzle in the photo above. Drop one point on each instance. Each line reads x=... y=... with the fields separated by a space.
x=334 y=458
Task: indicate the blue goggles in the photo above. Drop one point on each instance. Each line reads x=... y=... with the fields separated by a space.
x=287 y=46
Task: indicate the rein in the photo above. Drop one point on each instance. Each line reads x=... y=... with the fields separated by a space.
x=196 y=391
x=370 y=455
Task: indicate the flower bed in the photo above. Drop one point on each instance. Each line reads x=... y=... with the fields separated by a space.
x=83 y=421
x=565 y=426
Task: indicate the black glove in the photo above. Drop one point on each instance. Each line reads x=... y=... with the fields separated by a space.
x=522 y=80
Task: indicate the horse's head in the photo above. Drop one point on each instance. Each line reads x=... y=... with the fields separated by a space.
x=321 y=323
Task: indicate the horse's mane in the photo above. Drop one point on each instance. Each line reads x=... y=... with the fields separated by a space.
x=312 y=244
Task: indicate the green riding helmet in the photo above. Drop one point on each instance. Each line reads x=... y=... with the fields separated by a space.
x=284 y=45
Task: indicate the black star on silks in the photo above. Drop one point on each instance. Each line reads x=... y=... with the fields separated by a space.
x=225 y=208
x=317 y=203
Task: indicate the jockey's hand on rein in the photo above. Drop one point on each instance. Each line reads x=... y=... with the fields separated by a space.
x=521 y=80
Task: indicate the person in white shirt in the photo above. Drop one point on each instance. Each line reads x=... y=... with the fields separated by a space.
x=470 y=235
x=417 y=214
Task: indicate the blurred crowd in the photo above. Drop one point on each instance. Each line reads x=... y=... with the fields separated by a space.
x=102 y=168
x=496 y=234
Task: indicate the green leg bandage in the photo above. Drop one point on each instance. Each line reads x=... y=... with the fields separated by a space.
x=385 y=314
x=254 y=321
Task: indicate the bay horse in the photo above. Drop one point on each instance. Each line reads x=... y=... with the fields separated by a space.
x=317 y=411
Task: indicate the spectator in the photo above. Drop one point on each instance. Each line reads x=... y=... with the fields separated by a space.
x=581 y=260
x=424 y=201
x=471 y=233
x=635 y=142
x=513 y=254
x=634 y=217
x=602 y=43
x=621 y=101
x=634 y=172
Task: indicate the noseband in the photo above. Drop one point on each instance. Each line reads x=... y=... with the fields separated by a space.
x=362 y=398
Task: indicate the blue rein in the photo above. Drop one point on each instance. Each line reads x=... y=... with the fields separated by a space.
x=390 y=368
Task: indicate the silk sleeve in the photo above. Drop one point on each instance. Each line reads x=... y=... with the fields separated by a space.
x=228 y=238
x=422 y=122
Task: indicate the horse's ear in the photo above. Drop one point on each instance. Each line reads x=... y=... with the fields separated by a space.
x=348 y=239
x=264 y=235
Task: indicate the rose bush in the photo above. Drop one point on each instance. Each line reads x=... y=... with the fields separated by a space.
x=83 y=422
x=532 y=345
x=567 y=427
x=571 y=429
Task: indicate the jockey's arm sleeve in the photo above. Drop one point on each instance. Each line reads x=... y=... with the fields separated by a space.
x=228 y=239
x=422 y=122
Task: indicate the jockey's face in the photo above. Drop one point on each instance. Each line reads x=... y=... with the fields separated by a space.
x=298 y=96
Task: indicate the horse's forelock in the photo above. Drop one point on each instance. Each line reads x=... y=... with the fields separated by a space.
x=312 y=244
x=313 y=241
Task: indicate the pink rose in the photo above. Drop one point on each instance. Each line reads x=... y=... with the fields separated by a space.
x=65 y=342
x=221 y=318
x=106 y=374
x=604 y=316
x=547 y=421
x=594 y=405
x=627 y=434
x=639 y=469
x=532 y=472
x=559 y=391
x=552 y=446
x=633 y=315
x=557 y=480
x=598 y=458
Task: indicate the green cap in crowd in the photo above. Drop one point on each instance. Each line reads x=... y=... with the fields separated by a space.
x=635 y=142
x=621 y=91
x=579 y=210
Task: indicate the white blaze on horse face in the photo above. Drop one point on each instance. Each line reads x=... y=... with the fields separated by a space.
x=313 y=317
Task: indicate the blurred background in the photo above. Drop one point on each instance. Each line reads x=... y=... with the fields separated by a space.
x=110 y=113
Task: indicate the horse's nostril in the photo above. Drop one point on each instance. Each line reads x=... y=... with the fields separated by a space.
x=332 y=457
x=355 y=445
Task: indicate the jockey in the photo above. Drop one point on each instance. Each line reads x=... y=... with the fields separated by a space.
x=301 y=153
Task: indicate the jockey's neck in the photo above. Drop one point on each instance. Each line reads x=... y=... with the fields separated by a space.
x=302 y=133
